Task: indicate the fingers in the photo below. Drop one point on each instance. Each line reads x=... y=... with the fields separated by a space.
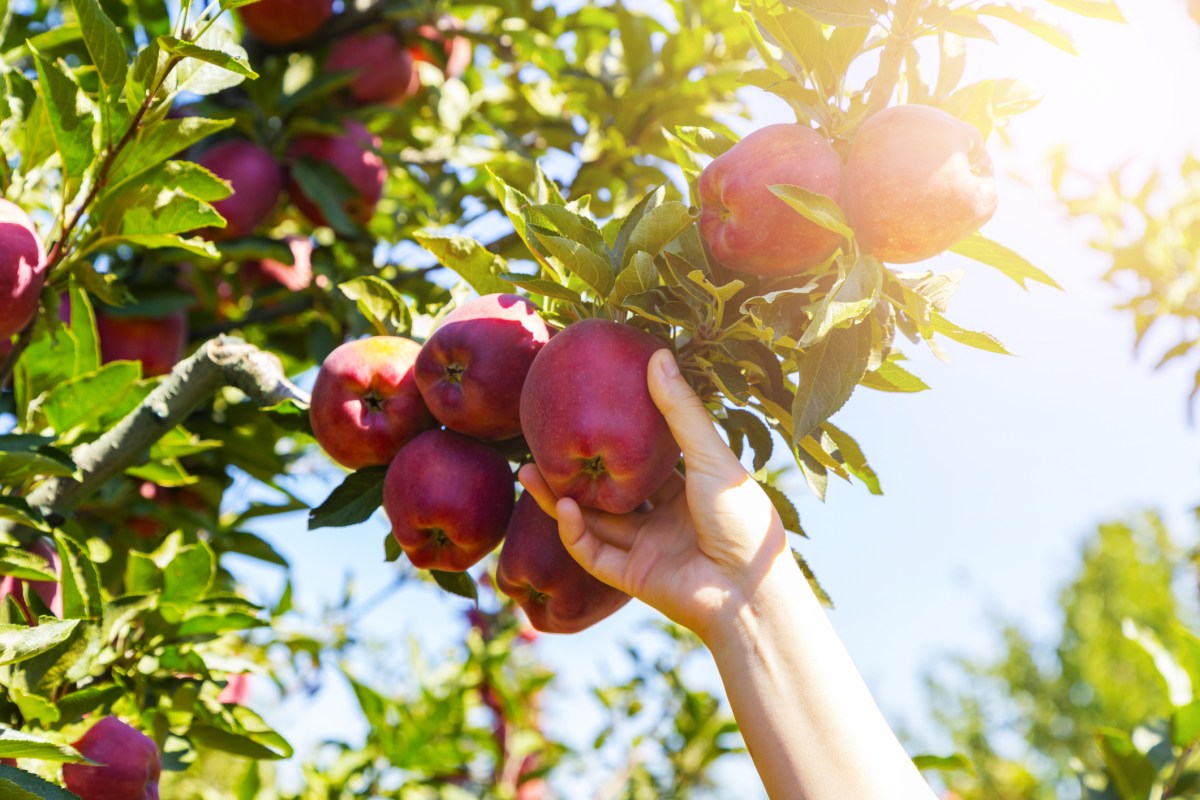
x=531 y=478
x=616 y=529
x=690 y=424
x=670 y=489
x=605 y=562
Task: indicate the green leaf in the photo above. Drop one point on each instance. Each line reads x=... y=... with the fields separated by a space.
x=1176 y=678
x=576 y=258
x=814 y=207
x=233 y=61
x=1185 y=725
x=82 y=400
x=891 y=377
x=160 y=241
x=18 y=511
x=186 y=579
x=740 y=423
x=247 y=736
x=213 y=63
x=985 y=251
x=851 y=298
x=852 y=457
x=380 y=302
x=822 y=596
x=323 y=184
x=20 y=744
x=25 y=455
x=956 y=762
x=784 y=507
x=1031 y=21
x=829 y=372
x=555 y=218
x=17 y=784
x=976 y=339
x=157 y=142
x=1132 y=773
x=139 y=81
x=25 y=565
x=640 y=276
x=20 y=643
x=545 y=288
x=72 y=116
x=1098 y=9
x=657 y=229
x=846 y=13
x=146 y=209
x=473 y=262
x=703 y=140
x=80 y=581
x=106 y=48
x=354 y=501
x=459 y=583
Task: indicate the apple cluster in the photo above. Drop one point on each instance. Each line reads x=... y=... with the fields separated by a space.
x=491 y=384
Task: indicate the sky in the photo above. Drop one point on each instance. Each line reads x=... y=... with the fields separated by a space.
x=991 y=480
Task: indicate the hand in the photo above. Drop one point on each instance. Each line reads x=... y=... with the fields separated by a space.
x=700 y=549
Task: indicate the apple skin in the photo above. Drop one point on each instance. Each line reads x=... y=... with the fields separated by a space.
x=129 y=764
x=295 y=277
x=383 y=68
x=448 y=498
x=536 y=571
x=917 y=181
x=281 y=22
x=50 y=592
x=365 y=402
x=472 y=369
x=452 y=53
x=257 y=182
x=748 y=228
x=157 y=342
x=22 y=269
x=592 y=428
x=353 y=154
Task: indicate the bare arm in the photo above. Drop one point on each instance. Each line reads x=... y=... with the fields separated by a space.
x=712 y=555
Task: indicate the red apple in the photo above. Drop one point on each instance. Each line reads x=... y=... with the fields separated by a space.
x=365 y=402
x=747 y=227
x=296 y=277
x=535 y=569
x=448 y=498
x=22 y=269
x=257 y=182
x=236 y=691
x=129 y=766
x=286 y=21
x=593 y=429
x=530 y=788
x=354 y=154
x=452 y=53
x=471 y=370
x=50 y=592
x=917 y=181
x=382 y=67
x=157 y=342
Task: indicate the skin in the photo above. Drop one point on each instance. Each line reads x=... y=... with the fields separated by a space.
x=711 y=553
x=257 y=183
x=448 y=499
x=472 y=369
x=282 y=22
x=22 y=269
x=355 y=154
x=747 y=227
x=382 y=67
x=591 y=425
x=365 y=403
x=917 y=181
x=157 y=342
x=129 y=764
x=557 y=594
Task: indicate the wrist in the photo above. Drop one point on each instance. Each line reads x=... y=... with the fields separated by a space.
x=776 y=596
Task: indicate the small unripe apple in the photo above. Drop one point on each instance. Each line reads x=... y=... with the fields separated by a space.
x=128 y=764
x=917 y=181
x=157 y=342
x=448 y=499
x=22 y=269
x=285 y=21
x=382 y=67
x=452 y=53
x=257 y=183
x=365 y=402
x=747 y=227
x=353 y=153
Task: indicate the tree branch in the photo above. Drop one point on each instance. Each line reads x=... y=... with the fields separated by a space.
x=219 y=362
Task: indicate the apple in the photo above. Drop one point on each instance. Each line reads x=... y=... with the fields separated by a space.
x=592 y=428
x=472 y=369
x=382 y=67
x=354 y=154
x=157 y=342
x=746 y=226
x=917 y=181
x=236 y=691
x=448 y=499
x=128 y=764
x=536 y=571
x=365 y=402
x=50 y=592
x=530 y=788
x=452 y=53
x=295 y=277
x=281 y=22
x=22 y=269
x=257 y=182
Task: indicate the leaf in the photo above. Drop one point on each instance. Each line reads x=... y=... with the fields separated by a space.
x=543 y=287
x=814 y=207
x=80 y=581
x=141 y=76
x=380 y=302
x=703 y=140
x=105 y=46
x=852 y=457
x=24 y=456
x=657 y=229
x=754 y=430
x=1176 y=678
x=822 y=596
x=976 y=339
x=20 y=643
x=1030 y=20
x=155 y=143
x=985 y=251
x=459 y=583
x=323 y=184
x=72 y=116
x=784 y=507
x=891 y=377
x=82 y=400
x=851 y=298
x=829 y=372
x=956 y=762
x=21 y=744
x=1132 y=773
x=640 y=276
x=592 y=269
x=558 y=219
x=1185 y=725
x=1097 y=9
x=186 y=579
x=213 y=63
x=18 y=511
x=473 y=262
x=847 y=13
x=354 y=501
x=17 y=784
x=24 y=565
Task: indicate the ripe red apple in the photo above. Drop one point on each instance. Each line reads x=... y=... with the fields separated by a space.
x=365 y=402
x=286 y=21
x=382 y=67
x=157 y=342
x=257 y=182
x=236 y=691
x=535 y=569
x=530 y=788
x=50 y=592
x=747 y=227
x=452 y=53
x=593 y=429
x=129 y=765
x=448 y=498
x=296 y=277
x=917 y=181
x=22 y=269
x=472 y=368
x=355 y=155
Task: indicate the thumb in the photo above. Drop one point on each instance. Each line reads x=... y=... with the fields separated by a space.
x=688 y=419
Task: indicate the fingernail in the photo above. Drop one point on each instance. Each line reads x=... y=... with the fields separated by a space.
x=668 y=366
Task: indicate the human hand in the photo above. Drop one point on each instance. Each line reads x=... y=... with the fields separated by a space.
x=700 y=549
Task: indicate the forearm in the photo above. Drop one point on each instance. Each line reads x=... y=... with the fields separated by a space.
x=808 y=719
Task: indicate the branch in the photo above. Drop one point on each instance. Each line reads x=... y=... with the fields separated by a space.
x=219 y=362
